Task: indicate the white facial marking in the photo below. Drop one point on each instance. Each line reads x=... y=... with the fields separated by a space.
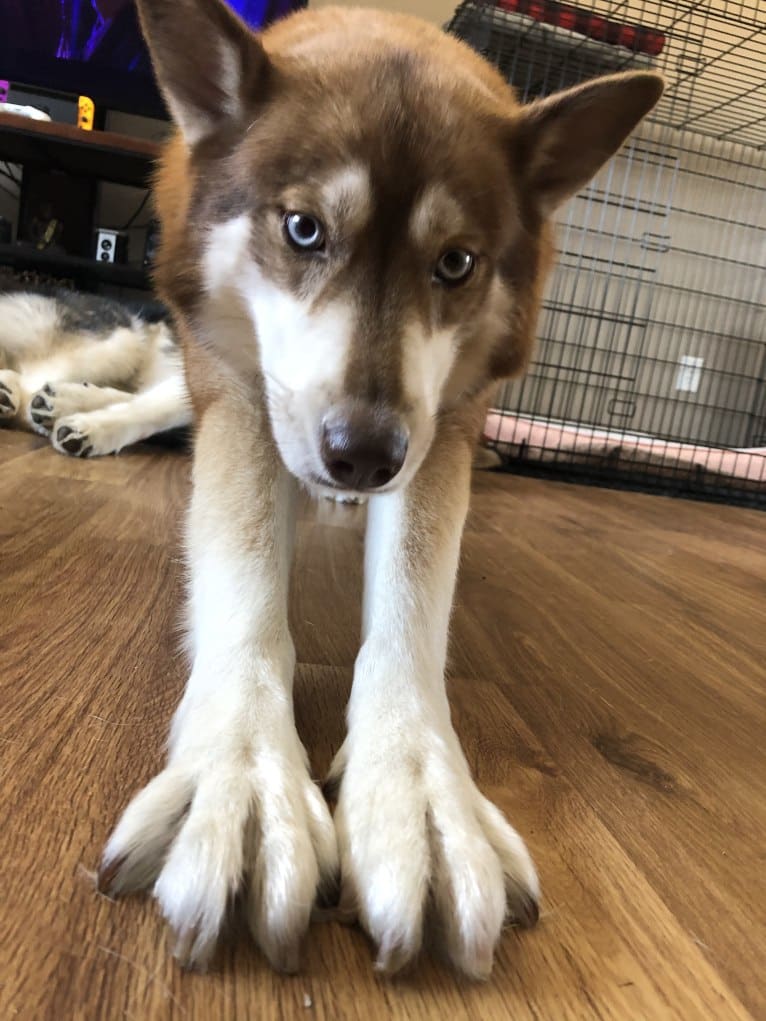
x=225 y=254
x=428 y=360
x=226 y=323
x=300 y=348
x=347 y=195
x=435 y=215
x=303 y=352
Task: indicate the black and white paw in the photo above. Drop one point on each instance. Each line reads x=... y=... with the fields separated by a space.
x=10 y=394
x=424 y=855
x=42 y=414
x=70 y=437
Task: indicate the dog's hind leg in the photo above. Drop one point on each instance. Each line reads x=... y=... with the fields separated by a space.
x=413 y=828
x=107 y=429
x=115 y=360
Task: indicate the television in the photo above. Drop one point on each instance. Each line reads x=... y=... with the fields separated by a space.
x=94 y=48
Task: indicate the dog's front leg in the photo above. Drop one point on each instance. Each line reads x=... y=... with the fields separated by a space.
x=413 y=828
x=235 y=808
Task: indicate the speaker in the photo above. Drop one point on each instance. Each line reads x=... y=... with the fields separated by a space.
x=111 y=245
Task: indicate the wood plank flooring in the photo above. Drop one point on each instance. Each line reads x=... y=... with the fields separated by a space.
x=608 y=681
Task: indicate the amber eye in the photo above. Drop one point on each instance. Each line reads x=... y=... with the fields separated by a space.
x=304 y=232
x=455 y=267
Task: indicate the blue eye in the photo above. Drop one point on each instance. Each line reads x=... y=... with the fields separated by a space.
x=304 y=232
x=455 y=266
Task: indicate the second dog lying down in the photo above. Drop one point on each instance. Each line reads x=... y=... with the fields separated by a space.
x=93 y=376
x=87 y=372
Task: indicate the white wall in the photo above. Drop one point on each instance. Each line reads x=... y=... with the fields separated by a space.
x=437 y=11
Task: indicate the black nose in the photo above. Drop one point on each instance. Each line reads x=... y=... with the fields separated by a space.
x=363 y=448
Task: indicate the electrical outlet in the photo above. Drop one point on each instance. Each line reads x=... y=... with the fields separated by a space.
x=689 y=373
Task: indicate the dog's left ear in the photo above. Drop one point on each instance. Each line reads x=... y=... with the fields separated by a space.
x=561 y=142
x=209 y=65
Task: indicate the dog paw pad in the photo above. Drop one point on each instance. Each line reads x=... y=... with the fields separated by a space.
x=9 y=401
x=72 y=442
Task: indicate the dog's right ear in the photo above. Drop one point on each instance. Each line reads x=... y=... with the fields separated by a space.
x=208 y=63
x=561 y=142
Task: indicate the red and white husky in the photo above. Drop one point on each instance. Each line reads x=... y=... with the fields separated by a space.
x=355 y=240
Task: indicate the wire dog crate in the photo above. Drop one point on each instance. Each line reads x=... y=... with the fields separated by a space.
x=651 y=364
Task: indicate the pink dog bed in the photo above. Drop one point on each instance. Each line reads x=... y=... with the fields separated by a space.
x=514 y=436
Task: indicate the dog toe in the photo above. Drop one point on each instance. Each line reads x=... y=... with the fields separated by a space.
x=136 y=850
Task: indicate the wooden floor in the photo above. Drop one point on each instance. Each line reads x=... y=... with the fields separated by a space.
x=608 y=684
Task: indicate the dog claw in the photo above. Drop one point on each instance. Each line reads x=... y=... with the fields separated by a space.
x=329 y=893
x=392 y=959
x=187 y=951
x=331 y=787
x=343 y=909
x=287 y=960
x=532 y=915
x=525 y=911
x=107 y=875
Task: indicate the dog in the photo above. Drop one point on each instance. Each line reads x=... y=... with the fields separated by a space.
x=86 y=372
x=355 y=216
x=62 y=336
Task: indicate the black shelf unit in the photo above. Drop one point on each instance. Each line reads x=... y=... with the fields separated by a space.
x=94 y=155
x=84 y=272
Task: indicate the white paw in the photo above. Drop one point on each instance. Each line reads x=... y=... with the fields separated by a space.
x=42 y=412
x=59 y=400
x=10 y=394
x=413 y=831
x=90 y=434
x=74 y=435
x=228 y=820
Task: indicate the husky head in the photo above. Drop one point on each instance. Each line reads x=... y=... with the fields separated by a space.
x=364 y=228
